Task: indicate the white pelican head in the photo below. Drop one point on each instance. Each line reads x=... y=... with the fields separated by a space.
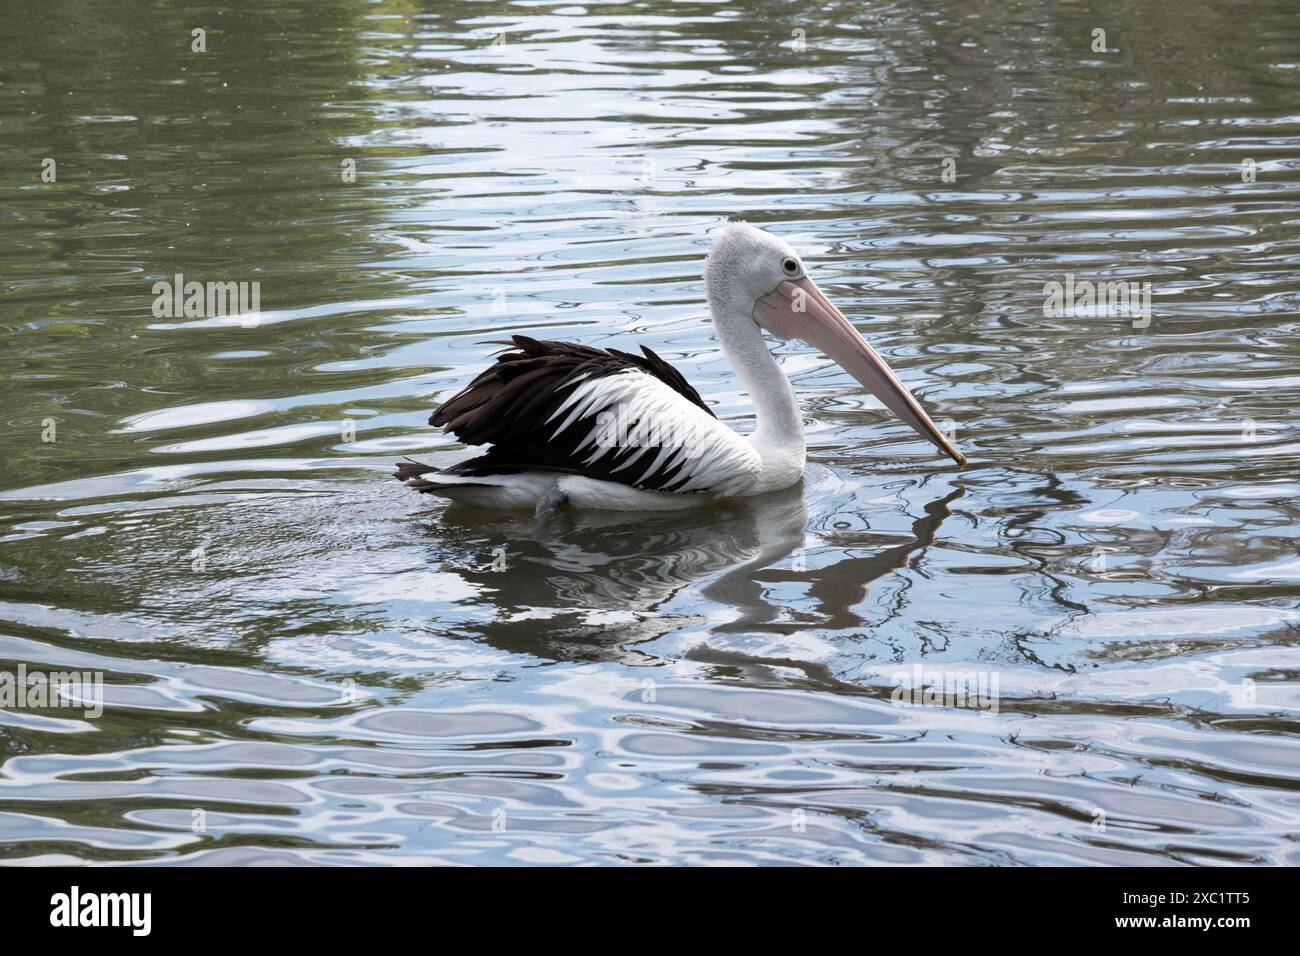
x=752 y=273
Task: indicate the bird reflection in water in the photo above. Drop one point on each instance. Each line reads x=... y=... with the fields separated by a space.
x=594 y=589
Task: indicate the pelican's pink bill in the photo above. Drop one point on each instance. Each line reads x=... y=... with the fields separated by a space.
x=797 y=309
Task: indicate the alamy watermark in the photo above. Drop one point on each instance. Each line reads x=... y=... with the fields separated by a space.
x=621 y=427
x=1108 y=298
x=75 y=908
x=925 y=687
x=40 y=690
x=197 y=300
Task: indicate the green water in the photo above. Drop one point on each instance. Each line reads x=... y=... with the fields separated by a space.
x=304 y=662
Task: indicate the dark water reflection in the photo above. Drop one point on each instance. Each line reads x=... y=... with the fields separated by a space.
x=320 y=668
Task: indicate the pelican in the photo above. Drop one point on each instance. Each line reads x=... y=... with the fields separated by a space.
x=573 y=426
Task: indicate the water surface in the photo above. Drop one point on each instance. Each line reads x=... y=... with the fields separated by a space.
x=307 y=664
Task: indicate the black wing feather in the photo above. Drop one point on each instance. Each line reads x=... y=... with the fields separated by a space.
x=507 y=406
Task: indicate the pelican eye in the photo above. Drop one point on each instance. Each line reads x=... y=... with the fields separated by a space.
x=790 y=266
